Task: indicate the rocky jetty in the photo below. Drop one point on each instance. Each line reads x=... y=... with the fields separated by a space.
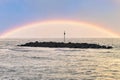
x=65 y=45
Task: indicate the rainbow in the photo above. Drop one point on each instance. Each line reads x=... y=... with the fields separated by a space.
x=6 y=34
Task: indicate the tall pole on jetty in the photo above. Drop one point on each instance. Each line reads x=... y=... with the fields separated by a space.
x=64 y=36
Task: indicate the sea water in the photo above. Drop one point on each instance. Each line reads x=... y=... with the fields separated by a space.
x=37 y=63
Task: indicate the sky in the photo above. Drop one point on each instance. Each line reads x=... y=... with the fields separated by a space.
x=19 y=12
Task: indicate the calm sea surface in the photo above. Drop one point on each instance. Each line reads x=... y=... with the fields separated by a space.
x=34 y=63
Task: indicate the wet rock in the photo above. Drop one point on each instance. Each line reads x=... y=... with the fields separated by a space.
x=65 y=45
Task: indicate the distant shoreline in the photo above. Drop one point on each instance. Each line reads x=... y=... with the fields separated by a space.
x=65 y=45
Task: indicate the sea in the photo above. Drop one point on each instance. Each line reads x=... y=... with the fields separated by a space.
x=38 y=63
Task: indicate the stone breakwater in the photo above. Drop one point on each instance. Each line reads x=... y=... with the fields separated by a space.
x=65 y=45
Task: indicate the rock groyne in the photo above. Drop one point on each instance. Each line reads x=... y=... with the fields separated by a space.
x=65 y=45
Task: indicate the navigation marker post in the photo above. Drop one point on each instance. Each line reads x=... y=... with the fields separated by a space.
x=64 y=36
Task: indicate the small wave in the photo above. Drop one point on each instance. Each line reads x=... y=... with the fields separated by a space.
x=42 y=58
x=69 y=50
x=25 y=50
x=107 y=52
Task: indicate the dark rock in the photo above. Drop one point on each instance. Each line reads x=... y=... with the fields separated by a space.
x=65 y=45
